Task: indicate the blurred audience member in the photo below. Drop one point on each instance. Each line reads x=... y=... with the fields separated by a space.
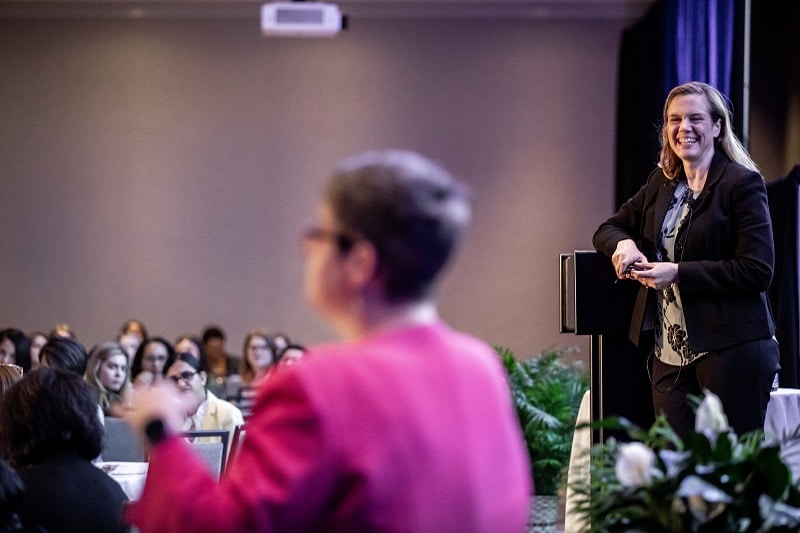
x=220 y=363
x=260 y=354
x=9 y=374
x=38 y=339
x=50 y=431
x=188 y=343
x=65 y=353
x=135 y=327
x=107 y=373
x=11 y=494
x=15 y=348
x=150 y=361
x=280 y=340
x=129 y=342
x=291 y=354
x=63 y=330
x=203 y=409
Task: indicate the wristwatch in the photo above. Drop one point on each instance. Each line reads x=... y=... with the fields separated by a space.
x=156 y=431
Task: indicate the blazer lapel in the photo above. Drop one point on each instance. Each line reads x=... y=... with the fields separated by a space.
x=663 y=197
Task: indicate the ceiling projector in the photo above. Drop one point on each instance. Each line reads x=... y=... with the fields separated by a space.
x=301 y=19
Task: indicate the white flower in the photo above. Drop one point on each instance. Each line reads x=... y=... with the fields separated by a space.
x=635 y=464
x=777 y=514
x=673 y=461
x=711 y=419
x=704 y=499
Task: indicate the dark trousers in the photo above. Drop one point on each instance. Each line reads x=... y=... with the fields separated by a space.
x=741 y=376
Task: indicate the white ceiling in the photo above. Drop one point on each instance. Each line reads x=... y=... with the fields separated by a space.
x=525 y=9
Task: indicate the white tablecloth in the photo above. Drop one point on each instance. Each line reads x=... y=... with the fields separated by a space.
x=578 y=471
x=130 y=476
x=783 y=419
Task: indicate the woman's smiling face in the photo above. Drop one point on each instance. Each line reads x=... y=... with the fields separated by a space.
x=690 y=129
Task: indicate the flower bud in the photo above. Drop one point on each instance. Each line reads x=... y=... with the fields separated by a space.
x=635 y=463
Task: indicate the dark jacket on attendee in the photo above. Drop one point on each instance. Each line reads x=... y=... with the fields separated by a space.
x=66 y=493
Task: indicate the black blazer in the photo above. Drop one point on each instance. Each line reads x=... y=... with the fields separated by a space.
x=725 y=257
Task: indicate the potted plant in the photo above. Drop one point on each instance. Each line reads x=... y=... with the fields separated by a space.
x=547 y=393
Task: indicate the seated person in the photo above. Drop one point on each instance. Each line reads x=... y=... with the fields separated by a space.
x=15 y=348
x=150 y=361
x=203 y=409
x=291 y=354
x=220 y=362
x=11 y=491
x=135 y=327
x=260 y=354
x=65 y=353
x=9 y=374
x=38 y=339
x=107 y=373
x=50 y=431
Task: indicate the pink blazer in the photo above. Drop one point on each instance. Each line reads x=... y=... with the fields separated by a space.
x=407 y=431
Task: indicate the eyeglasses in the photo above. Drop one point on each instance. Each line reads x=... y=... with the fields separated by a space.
x=185 y=376
x=154 y=358
x=312 y=232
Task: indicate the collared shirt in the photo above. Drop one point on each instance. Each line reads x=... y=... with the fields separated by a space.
x=673 y=346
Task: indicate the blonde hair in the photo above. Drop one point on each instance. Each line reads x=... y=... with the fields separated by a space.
x=9 y=374
x=727 y=141
x=100 y=354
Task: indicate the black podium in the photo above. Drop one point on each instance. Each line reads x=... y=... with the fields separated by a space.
x=594 y=303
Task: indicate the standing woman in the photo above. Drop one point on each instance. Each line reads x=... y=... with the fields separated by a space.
x=107 y=373
x=698 y=238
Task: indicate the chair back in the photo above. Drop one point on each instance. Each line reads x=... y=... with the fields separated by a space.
x=120 y=443
x=212 y=444
x=238 y=439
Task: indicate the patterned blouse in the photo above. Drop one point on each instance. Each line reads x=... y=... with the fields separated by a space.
x=672 y=341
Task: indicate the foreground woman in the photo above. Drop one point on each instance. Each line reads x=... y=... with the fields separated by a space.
x=407 y=425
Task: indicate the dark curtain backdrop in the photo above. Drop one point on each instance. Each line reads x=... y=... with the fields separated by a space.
x=699 y=43
x=641 y=96
x=675 y=42
x=783 y=292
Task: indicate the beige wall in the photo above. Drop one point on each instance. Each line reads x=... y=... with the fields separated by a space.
x=160 y=169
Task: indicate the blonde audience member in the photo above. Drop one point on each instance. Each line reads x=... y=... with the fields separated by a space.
x=63 y=330
x=135 y=327
x=107 y=373
x=9 y=374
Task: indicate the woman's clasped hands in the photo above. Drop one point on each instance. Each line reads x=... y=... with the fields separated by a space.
x=630 y=263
